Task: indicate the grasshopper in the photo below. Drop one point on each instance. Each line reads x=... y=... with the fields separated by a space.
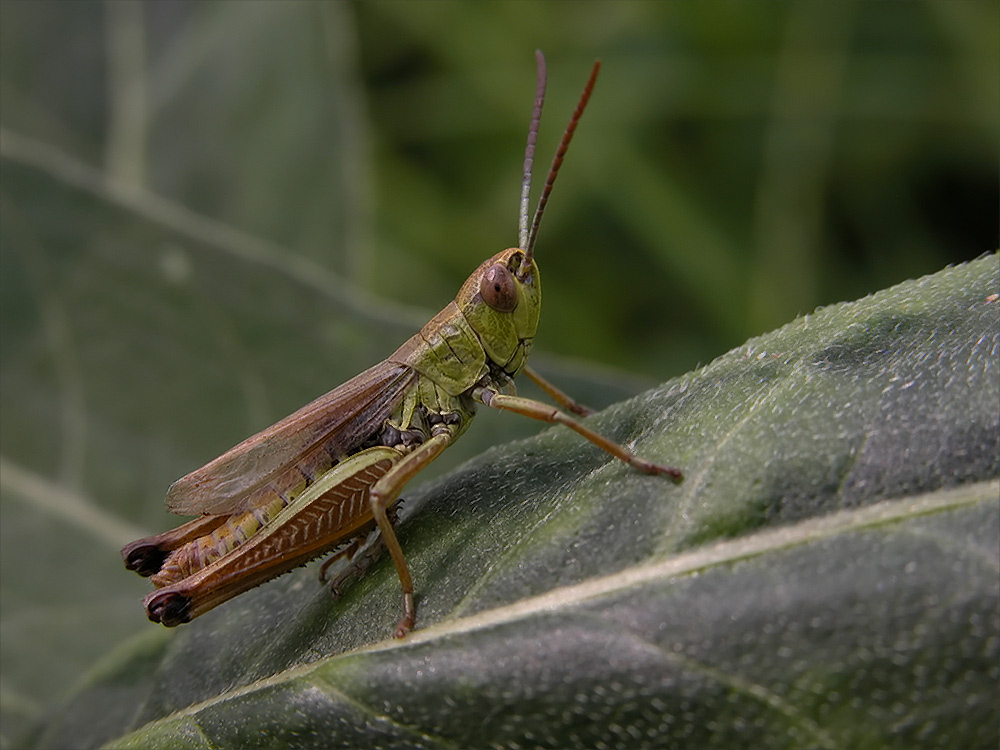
x=322 y=479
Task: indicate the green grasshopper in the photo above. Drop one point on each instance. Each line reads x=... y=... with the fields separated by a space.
x=322 y=479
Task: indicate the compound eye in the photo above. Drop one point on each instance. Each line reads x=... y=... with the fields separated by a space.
x=498 y=288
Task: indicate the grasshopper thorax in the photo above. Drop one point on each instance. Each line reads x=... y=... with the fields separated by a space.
x=503 y=307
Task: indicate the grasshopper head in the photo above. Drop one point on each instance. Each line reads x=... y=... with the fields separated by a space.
x=502 y=298
x=502 y=303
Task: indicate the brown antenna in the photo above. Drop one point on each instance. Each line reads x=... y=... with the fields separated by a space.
x=527 y=239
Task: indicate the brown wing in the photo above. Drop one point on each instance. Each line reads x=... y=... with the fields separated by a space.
x=335 y=423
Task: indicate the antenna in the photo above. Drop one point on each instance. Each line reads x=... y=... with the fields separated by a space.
x=527 y=243
x=529 y=151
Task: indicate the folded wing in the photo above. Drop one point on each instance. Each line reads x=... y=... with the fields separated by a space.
x=283 y=455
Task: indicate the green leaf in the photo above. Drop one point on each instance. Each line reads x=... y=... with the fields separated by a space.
x=825 y=576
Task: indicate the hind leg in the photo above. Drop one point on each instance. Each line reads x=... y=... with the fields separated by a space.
x=358 y=564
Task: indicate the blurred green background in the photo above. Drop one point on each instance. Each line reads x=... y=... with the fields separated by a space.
x=213 y=212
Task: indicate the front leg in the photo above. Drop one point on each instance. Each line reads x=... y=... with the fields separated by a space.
x=563 y=399
x=541 y=411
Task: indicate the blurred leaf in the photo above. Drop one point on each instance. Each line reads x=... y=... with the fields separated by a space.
x=826 y=575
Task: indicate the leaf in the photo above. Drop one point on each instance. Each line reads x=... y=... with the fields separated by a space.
x=826 y=575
